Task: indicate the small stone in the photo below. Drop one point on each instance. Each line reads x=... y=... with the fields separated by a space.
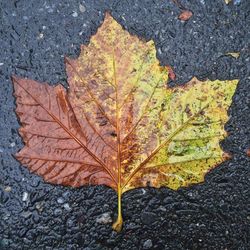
x=4 y=242
x=168 y=200
x=148 y=218
x=82 y=8
x=6 y=216
x=69 y=223
x=159 y=51
x=104 y=218
x=40 y=36
x=35 y=182
x=106 y=206
x=236 y=2
x=25 y=196
x=39 y=206
x=7 y=189
x=13 y=144
x=36 y=217
x=26 y=214
x=132 y=226
x=163 y=209
x=75 y=14
x=147 y=244
x=1 y=64
x=66 y=194
x=60 y=200
x=57 y=211
x=67 y=207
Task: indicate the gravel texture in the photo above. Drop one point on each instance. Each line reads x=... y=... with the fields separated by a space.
x=34 y=37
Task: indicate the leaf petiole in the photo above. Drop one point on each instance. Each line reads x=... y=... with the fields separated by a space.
x=117 y=225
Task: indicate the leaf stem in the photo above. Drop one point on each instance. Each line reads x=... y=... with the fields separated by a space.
x=117 y=226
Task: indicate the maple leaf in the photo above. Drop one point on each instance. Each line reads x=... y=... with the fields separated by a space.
x=118 y=124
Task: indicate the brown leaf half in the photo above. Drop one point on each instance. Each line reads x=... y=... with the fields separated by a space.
x=56 y=146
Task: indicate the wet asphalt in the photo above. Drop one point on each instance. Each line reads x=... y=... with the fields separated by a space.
x=34 y=37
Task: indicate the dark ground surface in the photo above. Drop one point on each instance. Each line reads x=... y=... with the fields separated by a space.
x=34 y=37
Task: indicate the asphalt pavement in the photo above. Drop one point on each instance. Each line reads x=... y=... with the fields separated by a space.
x=35 y=35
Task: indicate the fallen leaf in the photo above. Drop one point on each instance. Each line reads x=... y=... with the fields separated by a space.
x=248 y=152
x=228 y=1
x=118 y=124
x=233 y=54
x=185 y=15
